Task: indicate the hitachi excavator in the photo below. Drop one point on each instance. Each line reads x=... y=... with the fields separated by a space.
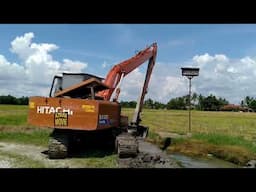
x=85 y=107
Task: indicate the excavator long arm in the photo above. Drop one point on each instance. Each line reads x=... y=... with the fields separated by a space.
x=122 y=69
x=136 y=117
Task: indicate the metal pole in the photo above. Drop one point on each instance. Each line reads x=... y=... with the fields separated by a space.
x=189 y=105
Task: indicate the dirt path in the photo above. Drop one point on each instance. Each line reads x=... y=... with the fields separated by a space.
x=5 y=162
x=15 y=155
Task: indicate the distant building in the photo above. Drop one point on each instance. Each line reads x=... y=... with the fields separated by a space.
x=233 y=107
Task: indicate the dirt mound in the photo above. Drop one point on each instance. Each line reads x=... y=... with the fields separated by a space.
x=150 y=156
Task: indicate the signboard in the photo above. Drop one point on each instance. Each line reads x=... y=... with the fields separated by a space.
x=190 y=71
x=61 y=119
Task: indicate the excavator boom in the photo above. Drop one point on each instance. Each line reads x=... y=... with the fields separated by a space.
x=122 y=69
x=136 y=117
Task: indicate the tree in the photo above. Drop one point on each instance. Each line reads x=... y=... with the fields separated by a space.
x=13 y=100
x=132 y=104
x=177 y=103
x=128 y=104
x=248 y=100
x=242 y=103
x=200 y=102
x=223 y=101
x=253 y=105
x=194 y=98
x=211 y=103
x=158 y=105
x=8 y=99
x=149 y=104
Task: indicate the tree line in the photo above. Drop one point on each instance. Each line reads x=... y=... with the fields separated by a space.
x=198 y=102
x=13 y=100
x=249 y=102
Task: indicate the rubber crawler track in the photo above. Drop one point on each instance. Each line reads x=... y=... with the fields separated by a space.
x=58 y=145
x=127 y=146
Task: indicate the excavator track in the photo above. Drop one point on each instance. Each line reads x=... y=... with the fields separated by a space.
x=58 y=145
x=127 y=145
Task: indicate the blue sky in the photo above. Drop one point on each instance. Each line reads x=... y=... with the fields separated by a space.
x=225 y=54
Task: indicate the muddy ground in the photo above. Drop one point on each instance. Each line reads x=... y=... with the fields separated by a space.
x=150 y=156
x=14 y=155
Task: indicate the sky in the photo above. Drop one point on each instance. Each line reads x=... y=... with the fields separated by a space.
x=31 y=54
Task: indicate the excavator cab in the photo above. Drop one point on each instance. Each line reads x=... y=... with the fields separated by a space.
x=77 y=85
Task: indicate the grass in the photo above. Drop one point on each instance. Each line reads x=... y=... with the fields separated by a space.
x=13 y=119
x=20 y=108
x=228 y=135
x=237 y=154
x=39 y=137
x=108 y=161
x=14 y=127
x=21 y=161
x=153 y=137
x=218 y=139
x=176 y=121
x=13 y=114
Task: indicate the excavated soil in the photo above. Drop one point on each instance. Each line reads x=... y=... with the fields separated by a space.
x=150 y=156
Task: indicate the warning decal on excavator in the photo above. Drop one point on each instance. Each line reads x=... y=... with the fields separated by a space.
x=104 y=120
x=89 y=108
x=61 y=119
x=31 y=105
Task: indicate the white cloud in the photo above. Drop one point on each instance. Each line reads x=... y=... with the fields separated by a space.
x=73 y=66
x=131 y=85
x=232 y=79
x=221 y=58
x=36 y=68
x=104 y=64
x=10 y=71
x=201 y=60
x=232 y=70
x=173 y=85
x=225 y=77
x=22 y=45
x=162 y=86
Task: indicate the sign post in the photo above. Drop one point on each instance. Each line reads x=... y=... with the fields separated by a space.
x=189 y=73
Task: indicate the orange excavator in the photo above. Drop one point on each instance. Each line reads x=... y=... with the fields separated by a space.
x=84 y=107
